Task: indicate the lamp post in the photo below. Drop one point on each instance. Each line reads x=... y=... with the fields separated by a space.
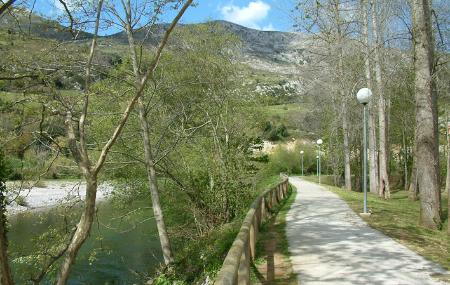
x=302 y=152
x=317 y=165
x=363 y=97
x=319 y=142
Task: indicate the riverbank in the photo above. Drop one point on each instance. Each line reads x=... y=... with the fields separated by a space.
x=48 y=193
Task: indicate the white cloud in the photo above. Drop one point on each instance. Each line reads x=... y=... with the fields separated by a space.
x=248 y=16
x=269 y=27
x=71 y=5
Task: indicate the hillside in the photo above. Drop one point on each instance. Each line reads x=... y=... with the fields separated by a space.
x=271 y=61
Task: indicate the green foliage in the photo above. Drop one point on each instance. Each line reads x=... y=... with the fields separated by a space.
x=290 y=160
x=200 y=258
x=275 y=133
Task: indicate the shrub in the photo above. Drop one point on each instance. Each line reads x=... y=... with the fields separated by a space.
x=21 y=201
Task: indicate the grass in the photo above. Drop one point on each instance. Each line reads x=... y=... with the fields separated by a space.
x=290 y=115
x=273 y=244
x=284 y=109
x=398 y=218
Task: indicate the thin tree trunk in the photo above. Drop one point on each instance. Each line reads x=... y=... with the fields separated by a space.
x=373 y=156
x=427 y=155
x=79 y=150
x=82 y=231
x=340 y=72
x=405 y=162
x=413 y=189
x=384 y=190
x=149 y=159
x=153 y=187
x=5 y=271
x=347 y=169
x=447 y=180
x=6 y=5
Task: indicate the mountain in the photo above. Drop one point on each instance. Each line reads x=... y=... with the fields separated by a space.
x=281 y=52
x=37 y=26
x=264 y=50
x=274 y=59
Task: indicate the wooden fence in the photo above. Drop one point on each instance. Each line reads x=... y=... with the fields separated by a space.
x=236 y=267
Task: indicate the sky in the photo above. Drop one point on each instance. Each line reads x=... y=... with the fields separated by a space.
x=268 y=15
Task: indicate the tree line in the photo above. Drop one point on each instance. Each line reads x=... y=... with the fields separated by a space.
x=399 y=50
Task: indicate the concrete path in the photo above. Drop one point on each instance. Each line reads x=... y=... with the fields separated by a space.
x=330 y=244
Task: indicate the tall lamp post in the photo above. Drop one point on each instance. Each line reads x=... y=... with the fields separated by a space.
x=302 y=152
x=319 y=142
x=317 y=165
x=363 y=97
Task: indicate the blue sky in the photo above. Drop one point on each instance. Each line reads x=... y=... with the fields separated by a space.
x=257 y=14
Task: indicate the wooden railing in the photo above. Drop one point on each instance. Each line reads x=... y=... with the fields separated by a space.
x=236 y=267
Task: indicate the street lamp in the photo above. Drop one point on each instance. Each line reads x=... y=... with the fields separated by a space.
x=317 y=165
x=363 y=97
x=302 y=152
x=319 y=142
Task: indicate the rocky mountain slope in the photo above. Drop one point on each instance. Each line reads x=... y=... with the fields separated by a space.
x=274 y=58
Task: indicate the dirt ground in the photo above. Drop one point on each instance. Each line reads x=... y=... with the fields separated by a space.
x=272 y=265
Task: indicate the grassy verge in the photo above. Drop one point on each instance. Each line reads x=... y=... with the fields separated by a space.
x=398 y=218
x=272 y=252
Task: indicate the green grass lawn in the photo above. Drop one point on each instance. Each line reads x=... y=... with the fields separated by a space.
x=398 y=218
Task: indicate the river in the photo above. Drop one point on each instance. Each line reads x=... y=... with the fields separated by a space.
x=119 y=251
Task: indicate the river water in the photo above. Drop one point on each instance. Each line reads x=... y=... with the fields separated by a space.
x=119 y=250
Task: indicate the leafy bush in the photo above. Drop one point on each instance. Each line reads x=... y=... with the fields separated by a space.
x=289 y=161
x=273 y=132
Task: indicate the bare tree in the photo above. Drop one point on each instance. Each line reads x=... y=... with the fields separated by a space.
x=373 y=155
x=426 y=152
x=6 y=5
x=383 y=185
x=129 y=22
x=79 y=149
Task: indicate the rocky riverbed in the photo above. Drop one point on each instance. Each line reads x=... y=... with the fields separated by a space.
x=48 y=193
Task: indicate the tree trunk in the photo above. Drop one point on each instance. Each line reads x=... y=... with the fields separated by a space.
x=373 y=156
x=149 y=159
x=447 y=180
x=384 y=190
x=153 y=187
x=427 y=156
x=413 y=189
x=5 y=271
x=347 y=169
x=405 y=161
x=82 y=231
x=447 y=187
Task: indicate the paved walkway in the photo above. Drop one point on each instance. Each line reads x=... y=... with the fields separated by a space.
x=330 y=244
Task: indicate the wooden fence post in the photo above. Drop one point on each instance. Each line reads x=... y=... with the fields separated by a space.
x=244 y=266
x=236 y=267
